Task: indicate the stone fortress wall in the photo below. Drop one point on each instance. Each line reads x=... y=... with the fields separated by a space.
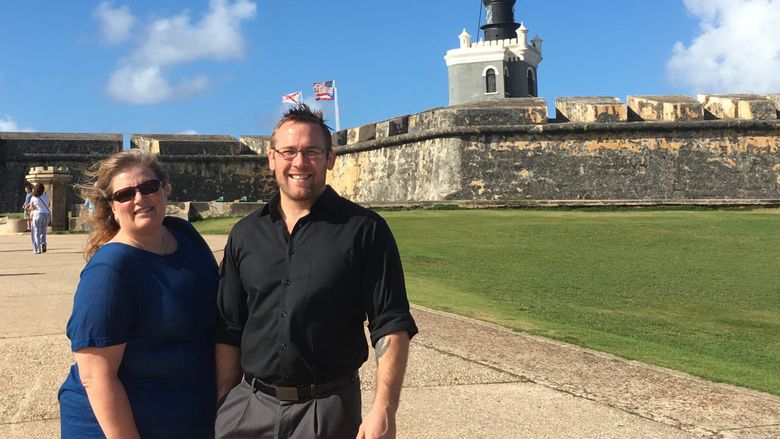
x=653 y=149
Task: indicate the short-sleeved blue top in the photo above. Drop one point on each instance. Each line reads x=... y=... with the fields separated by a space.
x=164 y=308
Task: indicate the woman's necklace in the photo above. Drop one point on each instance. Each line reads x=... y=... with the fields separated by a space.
x=165 y=249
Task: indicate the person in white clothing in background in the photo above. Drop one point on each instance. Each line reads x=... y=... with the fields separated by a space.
x=40 y=205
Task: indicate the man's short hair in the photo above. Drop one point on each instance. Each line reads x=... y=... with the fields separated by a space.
x=302 y=113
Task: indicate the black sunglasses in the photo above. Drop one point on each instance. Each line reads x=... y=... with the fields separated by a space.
x=145 y=188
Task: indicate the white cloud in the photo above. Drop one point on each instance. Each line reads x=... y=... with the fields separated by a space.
x=145 y=84
x=8 y=124
x=167 y=42
x=115 y=23
x=189 y=132
x=737 y=50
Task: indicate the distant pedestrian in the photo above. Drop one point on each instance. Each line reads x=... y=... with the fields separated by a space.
x=90 y=206
x=26 y=205
x=41 y=216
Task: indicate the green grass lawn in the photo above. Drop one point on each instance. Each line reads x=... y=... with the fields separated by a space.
x=692 y=290
x=215 y=226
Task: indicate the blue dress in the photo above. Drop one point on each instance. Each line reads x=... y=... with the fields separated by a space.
x=164 y=308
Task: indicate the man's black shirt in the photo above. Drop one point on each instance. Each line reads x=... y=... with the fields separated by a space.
x=296 y=303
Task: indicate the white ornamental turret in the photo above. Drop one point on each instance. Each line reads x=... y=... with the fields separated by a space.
x=522 y=36
x=465 y=39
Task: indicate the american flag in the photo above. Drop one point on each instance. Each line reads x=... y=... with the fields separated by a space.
x=323 y=91
x=292 y=98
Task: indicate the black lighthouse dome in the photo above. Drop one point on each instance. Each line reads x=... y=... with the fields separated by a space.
x=500 y=19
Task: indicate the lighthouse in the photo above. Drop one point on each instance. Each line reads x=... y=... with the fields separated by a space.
x=502 y=65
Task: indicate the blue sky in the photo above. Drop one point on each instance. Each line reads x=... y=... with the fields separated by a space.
x=221 y=66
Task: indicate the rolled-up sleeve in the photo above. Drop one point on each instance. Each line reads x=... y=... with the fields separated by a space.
x=385 y=300
x=231 y=299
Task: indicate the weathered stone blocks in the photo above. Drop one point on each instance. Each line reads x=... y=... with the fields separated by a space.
x=738 y=106
x=219 y=177
x=425 y=170
x=423 y=121
x=21 y=151
x=184 y=144
x=775 y=99
x=12 y=225
x=392 y=127
x=512 y=111
x=590 y=109
x=497 y=150
x=12 y=143
x=500 y=112
x=664 y=108
x=255 y=144
x=339 y=138
x=361 y=134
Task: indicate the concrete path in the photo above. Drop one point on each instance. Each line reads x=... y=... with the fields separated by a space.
x=466 y=379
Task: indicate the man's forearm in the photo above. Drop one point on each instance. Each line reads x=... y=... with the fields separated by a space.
x=228 y=367
x=392 y=353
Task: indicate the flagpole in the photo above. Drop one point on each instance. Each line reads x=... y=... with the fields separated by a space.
x=336 y=101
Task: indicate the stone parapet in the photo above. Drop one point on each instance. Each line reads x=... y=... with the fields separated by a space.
x=361 y=134
x=664 y=108
x=738 y=106
x=204 y=178
x=339 y=138
x=255 y=144
x=352 y=135
x=392 y=127
x=500 y=112
x=496 y=150
x=775 y=99
x=186 y=144
x=590 y=109
x=645 y=160
x=14 y=145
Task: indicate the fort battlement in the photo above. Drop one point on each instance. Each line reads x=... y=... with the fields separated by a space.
x=47 y=169
x=706 y=149
x=508 y=42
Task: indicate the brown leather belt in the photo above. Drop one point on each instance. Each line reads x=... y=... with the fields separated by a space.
x=300 y=393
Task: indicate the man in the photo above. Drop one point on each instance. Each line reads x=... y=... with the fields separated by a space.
x=300 y=276
x=26 y=205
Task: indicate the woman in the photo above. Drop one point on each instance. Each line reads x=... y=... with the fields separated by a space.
x=40 y=205
x=143 y=314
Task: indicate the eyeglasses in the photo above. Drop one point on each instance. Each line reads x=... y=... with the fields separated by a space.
x=308 y=153
x=128 y=193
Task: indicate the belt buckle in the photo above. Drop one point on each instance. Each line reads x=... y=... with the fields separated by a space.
x=287 y=393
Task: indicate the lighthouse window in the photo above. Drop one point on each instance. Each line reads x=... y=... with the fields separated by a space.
x=531 y=83
x=490 y=81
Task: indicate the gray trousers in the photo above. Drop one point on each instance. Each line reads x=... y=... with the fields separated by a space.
x=40 y=222
x=249 y=414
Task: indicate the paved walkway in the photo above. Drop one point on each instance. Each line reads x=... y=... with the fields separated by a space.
x=466 y=379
